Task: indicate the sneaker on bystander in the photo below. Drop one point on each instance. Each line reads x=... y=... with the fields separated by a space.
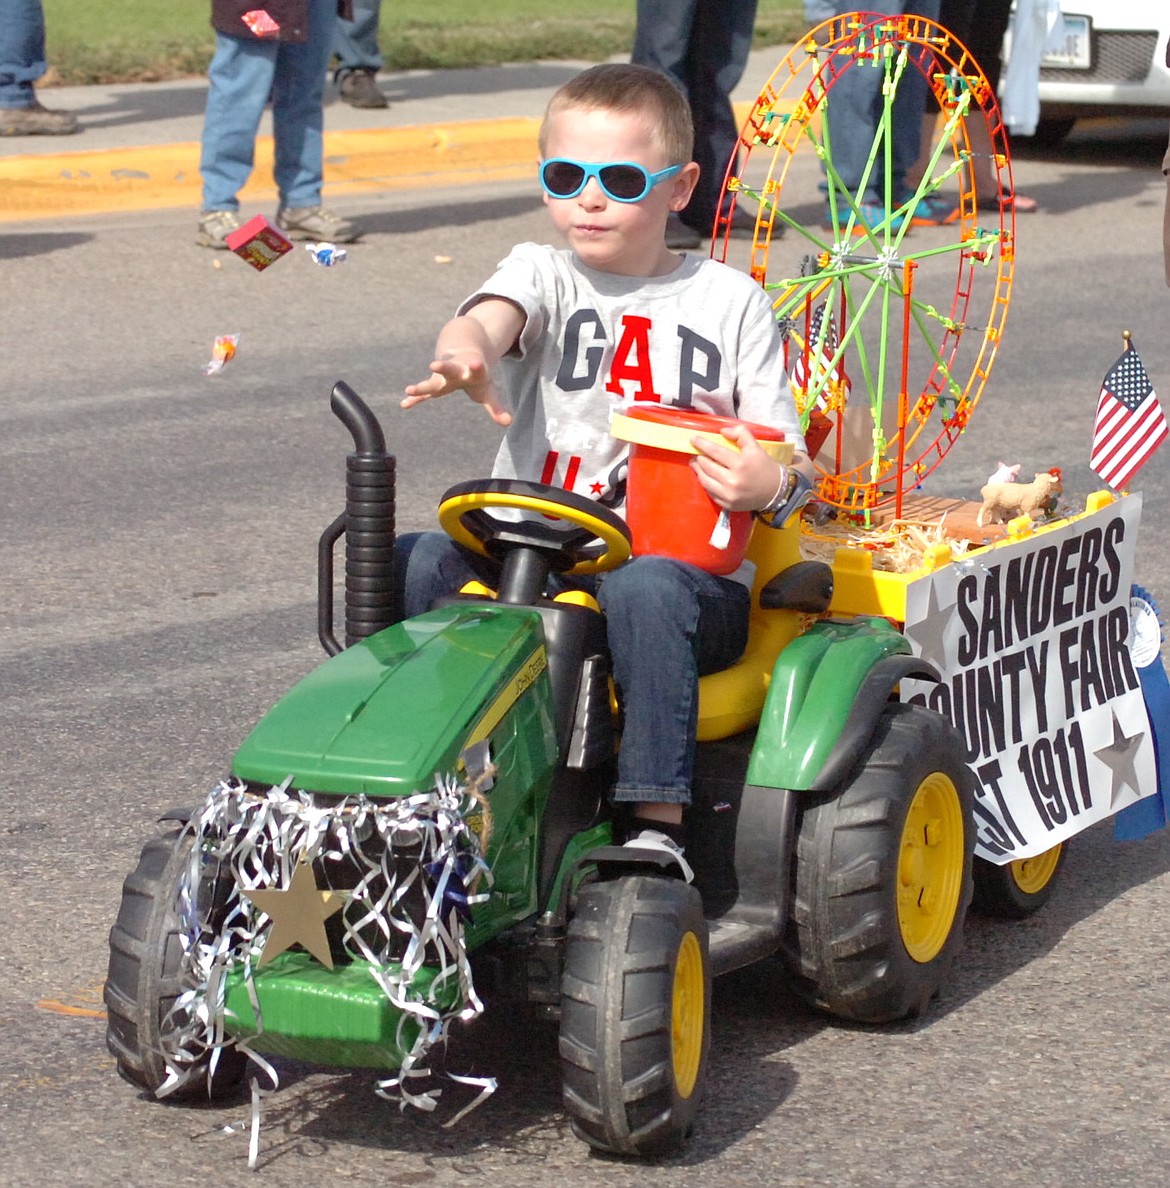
x=316 y=223
x=215 y=226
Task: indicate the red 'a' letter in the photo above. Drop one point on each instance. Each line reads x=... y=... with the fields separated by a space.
x=631 y=360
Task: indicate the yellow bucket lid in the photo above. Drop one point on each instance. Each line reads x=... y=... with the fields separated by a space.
x=677 y=438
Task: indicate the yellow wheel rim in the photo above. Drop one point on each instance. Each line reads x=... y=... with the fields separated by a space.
x=930 y=867
x=687 y=1010
x=1032 y=875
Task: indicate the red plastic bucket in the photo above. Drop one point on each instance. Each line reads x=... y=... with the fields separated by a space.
x=667 y=510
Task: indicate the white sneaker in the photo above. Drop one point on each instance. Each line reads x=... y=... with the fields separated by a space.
x=652 y=839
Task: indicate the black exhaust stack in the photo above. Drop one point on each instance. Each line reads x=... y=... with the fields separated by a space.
x=368 y=525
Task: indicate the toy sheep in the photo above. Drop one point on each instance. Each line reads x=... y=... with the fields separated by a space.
x=1005 y=501
x=1004 y=473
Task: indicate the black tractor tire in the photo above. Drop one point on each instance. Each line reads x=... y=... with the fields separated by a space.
x=635 y=1015
x=882 y=876
x=1016 y=890
x=145 y=977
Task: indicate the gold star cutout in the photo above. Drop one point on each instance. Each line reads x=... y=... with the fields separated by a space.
x=297 y=914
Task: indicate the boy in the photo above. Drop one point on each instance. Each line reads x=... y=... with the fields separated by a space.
x=578 y=333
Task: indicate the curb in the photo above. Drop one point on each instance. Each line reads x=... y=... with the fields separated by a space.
x=157 y=176
x=154 y=177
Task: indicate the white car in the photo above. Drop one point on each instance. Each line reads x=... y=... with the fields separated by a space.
x=1112 y=62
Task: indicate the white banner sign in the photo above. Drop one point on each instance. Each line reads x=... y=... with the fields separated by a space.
x=1032 y=640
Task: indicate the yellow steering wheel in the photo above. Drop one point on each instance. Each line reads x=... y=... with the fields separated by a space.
x=599 y=541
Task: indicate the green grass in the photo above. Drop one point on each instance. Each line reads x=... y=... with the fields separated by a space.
x=101 y=41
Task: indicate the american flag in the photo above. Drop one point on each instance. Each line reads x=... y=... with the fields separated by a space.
x=811 y=364
x=1130 y=424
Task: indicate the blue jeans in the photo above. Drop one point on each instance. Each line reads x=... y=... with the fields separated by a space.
x=243 y=74
x=855 y=105
x=356 y=42
x=667 y=623
x=22 y=51
x=703 y=45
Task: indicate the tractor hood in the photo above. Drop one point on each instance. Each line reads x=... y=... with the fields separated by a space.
x=381 y=717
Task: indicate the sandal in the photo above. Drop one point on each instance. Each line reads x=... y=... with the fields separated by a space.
x=1021 y=203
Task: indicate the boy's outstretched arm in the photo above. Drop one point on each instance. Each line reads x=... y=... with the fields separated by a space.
x=467 y=348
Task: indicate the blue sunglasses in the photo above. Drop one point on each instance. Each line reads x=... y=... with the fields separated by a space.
x=623 y=181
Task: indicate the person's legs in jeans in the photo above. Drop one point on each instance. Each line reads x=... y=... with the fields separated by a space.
x=430 y=565
x=358 y=58
x=662 y=35
x=241 y=75
x=356 y=42
x=703 y=45
x=719 y=45
x=855 y=107
x=667 y=623
x=298 y=97
x=851 y=107
x=22 y=52
x=22 y=62
x=906 y=111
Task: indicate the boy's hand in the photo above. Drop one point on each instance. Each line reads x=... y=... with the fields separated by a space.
x=455 y=370
x=738 y=480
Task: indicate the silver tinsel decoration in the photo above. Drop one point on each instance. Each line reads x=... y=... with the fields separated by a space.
x=413 y=867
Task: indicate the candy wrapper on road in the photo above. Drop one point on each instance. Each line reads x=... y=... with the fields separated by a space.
x=261 y=24
x=259 y=243
x=222 y=350
x=326 y=254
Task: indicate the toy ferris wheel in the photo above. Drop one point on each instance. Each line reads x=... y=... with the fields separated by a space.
x=891 y=323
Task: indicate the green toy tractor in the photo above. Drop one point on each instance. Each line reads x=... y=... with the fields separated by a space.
x=420 y=827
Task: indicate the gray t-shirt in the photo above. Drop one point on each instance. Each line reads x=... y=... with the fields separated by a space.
x=703 y=337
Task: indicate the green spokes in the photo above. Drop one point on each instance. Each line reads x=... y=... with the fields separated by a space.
x=897 y=317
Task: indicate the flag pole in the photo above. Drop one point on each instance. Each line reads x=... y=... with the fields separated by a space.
x=1126 y=338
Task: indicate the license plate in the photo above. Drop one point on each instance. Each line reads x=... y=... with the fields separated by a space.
x=1074 y=52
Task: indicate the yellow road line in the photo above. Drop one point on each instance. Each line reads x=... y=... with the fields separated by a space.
x=64 y=1008
x=76 y=1002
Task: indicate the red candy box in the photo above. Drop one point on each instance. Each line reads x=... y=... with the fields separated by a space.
x=261 y=24
x=259 y=242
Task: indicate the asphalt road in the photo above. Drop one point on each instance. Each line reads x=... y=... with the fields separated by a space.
x=158 y=594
